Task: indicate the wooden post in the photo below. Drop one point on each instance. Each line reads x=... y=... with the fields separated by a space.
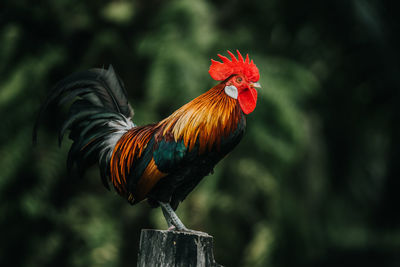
x=173 y=248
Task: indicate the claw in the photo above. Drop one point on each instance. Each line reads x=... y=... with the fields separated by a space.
x=171 y=228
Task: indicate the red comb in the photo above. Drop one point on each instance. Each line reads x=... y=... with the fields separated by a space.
x=220 y=71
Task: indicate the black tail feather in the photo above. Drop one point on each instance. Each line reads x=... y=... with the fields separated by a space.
x=97 y=118
x=103 y=88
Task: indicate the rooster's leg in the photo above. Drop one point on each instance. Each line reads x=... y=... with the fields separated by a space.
x=167 y=218
x=171 y=217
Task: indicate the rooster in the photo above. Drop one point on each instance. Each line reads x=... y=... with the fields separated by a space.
x=161 y=162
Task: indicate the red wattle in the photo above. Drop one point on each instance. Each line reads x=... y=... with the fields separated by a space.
x=248 y=100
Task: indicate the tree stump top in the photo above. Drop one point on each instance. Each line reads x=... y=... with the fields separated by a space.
x=173 y=248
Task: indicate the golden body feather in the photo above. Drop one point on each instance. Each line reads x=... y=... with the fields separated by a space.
x=203 y=121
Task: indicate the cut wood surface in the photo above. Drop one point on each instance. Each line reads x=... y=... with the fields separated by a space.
x=173 y=248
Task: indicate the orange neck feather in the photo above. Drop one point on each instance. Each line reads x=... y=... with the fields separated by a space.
x=207 y=118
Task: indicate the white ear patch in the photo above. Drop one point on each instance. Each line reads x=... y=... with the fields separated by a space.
x=231 y=91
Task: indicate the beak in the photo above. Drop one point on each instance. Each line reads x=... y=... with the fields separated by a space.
x=255 y=85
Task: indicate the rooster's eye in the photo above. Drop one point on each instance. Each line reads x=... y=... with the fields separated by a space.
x=239 y=79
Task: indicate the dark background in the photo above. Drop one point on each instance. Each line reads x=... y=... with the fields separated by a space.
x=315 y=180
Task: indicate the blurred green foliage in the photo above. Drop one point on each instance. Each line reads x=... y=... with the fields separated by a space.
x=313 y=183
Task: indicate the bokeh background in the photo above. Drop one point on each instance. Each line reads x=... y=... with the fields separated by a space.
x=315 y=180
